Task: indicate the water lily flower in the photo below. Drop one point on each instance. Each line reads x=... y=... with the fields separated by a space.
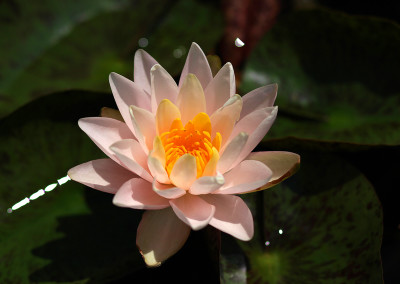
x=182 y=152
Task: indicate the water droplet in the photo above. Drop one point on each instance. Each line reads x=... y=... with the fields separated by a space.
x=238 y=42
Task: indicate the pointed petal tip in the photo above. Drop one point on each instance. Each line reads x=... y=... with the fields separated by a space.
x=220 y=179
x=112 y=76
x=245 y=238
x=149 y=259
x=117 y=203
x=194 y=44
x=140 y=50
x=190 y=77
x=274 y=111
x=243 y=135
x=155 y=67
x=282 y=164
x=85 y=122
x=155 y=223
x=228 y=65
x=232 y=100
x=131 y=110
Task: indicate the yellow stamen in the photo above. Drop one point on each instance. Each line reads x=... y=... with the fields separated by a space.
x=217 y=141
x=193 y=139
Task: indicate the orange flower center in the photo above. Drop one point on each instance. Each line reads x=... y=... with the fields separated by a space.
x=193 y=139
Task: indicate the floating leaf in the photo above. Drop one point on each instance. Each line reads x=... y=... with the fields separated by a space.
x=337 y=76
x=325 y=222
x=64 y=45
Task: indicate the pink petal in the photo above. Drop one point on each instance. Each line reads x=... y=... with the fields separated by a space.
x=131 y=155
x=136 y=193
x=157 y=170
x=193 y=210
x=197 y=64
x=247 y=176
x=167 y=112
x=259 y=98
x=103 y=174
x=231 y=152
x=191 y=99
x=160 y=235
x=167 y=191
x=232 y=216
x=220 y=89
x=184 y=172
x=144 y=125
x=207 y=184
x=282 y=164
x=141 y=71
x=224 y=119
x=256 y=125
x=104 y=132
x=127 y=93
x=163 y=86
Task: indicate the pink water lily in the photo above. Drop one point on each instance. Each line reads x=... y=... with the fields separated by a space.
x=183 y=151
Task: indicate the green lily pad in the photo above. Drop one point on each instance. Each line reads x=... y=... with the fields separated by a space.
x=337 y=76
x=72 y=234
x=58 y=46
x=323 y=225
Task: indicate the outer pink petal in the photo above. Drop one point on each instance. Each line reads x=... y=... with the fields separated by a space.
x=256 y=125
x=167 y=191
x=141 y=71
x=259 y=98
x=232 y=216
x=246 y=176
x=197 y=64
x=282 y=164
x=104 y=132
x=103 y=174
x=163 y=86
x=137 y=193
x=127 y=93
x=160 y=235
x=220 y=89
x=193 y=210
x=131 y=155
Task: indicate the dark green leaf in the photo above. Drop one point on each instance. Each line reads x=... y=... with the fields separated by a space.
x=337 y=76
x=64 y=45
x=330 y=217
